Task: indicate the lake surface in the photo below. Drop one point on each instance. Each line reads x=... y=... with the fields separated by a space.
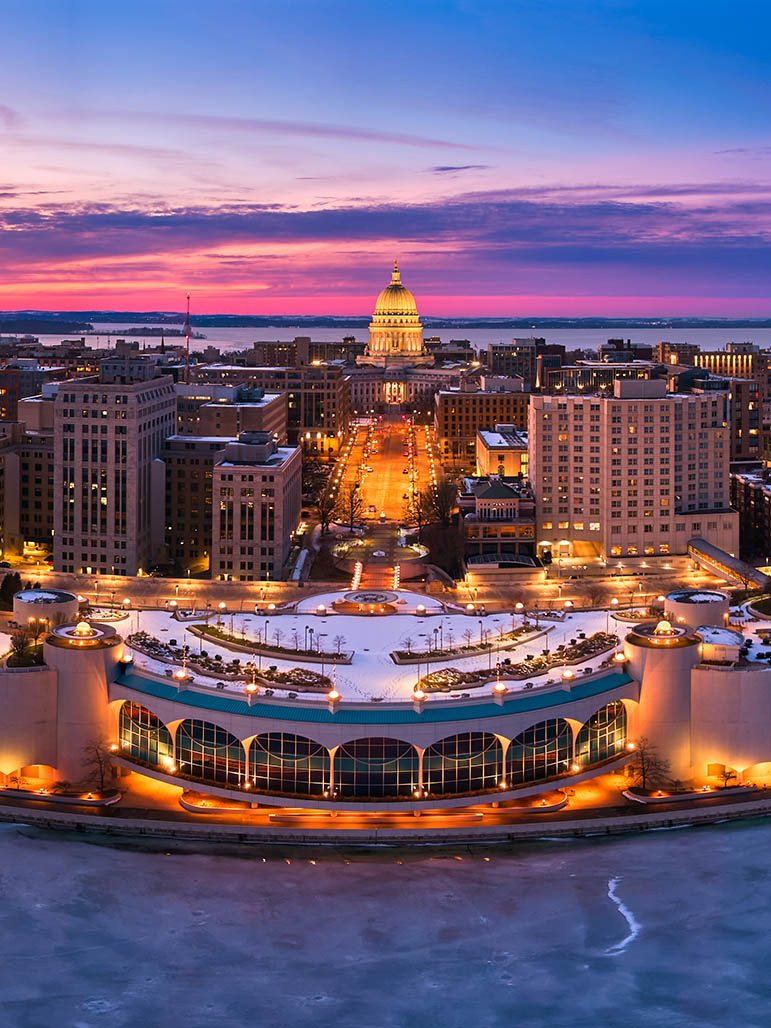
x=573 y=338
x=666 y=929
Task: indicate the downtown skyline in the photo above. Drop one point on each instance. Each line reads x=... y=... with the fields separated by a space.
x=518 y=159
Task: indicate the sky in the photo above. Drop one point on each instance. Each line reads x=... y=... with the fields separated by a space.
x=519 y=157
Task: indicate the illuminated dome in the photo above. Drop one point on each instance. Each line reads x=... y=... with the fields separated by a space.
x=664 y=628
x=395 y=332
x=396 y=298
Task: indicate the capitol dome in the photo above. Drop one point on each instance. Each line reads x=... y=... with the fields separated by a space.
x=396 y=299
x=395 y=332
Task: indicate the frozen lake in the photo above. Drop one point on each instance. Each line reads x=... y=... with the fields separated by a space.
x=670 y=929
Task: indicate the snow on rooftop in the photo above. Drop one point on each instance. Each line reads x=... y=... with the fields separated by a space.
x=372 y=675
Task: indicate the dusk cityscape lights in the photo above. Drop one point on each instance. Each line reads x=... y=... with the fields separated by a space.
x=385 y=513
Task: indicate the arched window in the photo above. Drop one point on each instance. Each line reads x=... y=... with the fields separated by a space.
x=603 y=735
x=288 y=764
x=463 y=763
x=376 y=767
x=210 y=753
x=143 y=736
x=542 y=751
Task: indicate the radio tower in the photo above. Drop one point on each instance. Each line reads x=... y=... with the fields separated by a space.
x=187 y=342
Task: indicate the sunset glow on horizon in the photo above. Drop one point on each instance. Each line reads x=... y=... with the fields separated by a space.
x=519 y=159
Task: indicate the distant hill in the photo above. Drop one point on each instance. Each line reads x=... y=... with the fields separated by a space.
x=62 y=321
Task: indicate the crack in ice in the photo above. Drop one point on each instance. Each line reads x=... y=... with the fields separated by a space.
x=628 y=916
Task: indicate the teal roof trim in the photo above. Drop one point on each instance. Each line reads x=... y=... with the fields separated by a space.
x=444 y=710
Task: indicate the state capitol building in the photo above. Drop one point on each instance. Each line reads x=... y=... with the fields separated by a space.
x=397 y=369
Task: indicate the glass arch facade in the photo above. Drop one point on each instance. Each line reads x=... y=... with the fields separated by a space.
x=210 y=753
x=603 y=736
x=544 y=750
x=470 y=762
x=143 y=736
x=376 y=767
x=289 y=764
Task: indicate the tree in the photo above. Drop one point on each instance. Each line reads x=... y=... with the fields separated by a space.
x=648 y=768
x=278 y=633
x=726 y=775
x=96 y=759
x=594 y=594
x=468 y=636
x=352 y=506
x=20 y=642
x=441 y=500
x=339 y=642
x=328 y=506
x=416 y=512
x=407 y=643
x=296 y=638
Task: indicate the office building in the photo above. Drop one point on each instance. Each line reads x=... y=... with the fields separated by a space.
x=635 y=474
x=256 y=507
x=460 y=413
x=108 y=483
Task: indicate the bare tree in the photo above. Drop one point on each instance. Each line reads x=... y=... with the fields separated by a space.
x=96 y=759
x=407 y=642
x=328 y=506
x=279 y=635
x=17 y=781
x=19 y=642
x=450 y=637
x=468 y=635
x=339 y=642
x=352 y=506
x=726 y=775
x=649 y=769
x=594 y=594
x=296 y=638
x=60 y=785
x=441 y=500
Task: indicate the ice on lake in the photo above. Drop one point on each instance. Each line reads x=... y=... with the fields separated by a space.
x=666 y=929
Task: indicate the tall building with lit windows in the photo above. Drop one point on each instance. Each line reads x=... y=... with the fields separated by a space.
x=636 y=474
x=108 y=483
x=256 y=497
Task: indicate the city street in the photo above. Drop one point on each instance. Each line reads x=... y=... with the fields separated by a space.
x=386 y=488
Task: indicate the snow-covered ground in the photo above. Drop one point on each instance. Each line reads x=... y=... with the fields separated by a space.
x=372 y=673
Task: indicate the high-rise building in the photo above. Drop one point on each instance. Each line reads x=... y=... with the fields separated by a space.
x=630 y=475
x=189 y=462
x=108 y=484
x=257 y=488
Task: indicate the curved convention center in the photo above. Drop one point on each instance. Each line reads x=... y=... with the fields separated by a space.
x=690 y=692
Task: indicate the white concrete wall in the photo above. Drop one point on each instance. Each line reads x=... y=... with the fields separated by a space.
x=731 y=716
x=83 y=714
x=696 y=614
x=664 y=712
x=28 y=715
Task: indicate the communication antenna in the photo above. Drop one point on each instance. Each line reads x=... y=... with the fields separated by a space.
x=187 y=342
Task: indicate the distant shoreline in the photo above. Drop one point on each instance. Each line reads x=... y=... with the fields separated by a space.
x=26 y=321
